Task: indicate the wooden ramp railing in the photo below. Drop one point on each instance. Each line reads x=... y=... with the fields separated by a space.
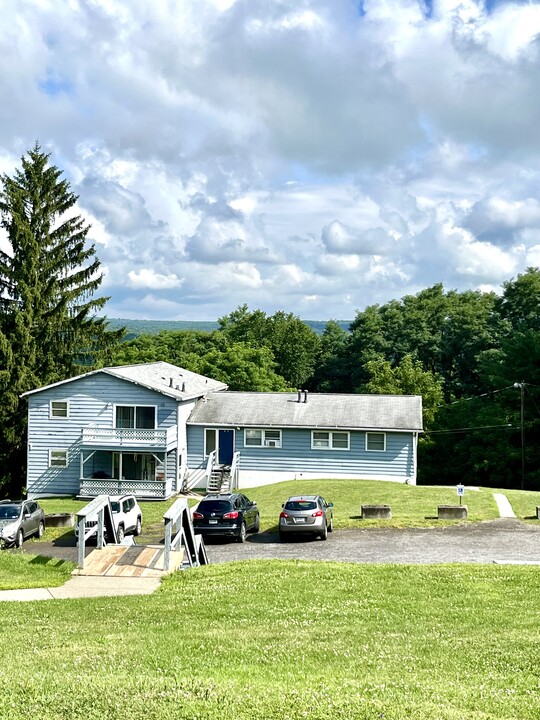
x=178 y=521
x=181 y=547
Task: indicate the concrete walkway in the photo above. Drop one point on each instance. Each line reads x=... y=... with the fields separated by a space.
x=503 y=503
x=85 y=586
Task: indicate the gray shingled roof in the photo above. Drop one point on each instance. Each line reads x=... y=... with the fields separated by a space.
x=168 y=379
x=381 y=412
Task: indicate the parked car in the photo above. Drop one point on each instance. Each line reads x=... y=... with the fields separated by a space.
x=306 y=514
x=20 y=519
x=127 y=516
x=230 y=514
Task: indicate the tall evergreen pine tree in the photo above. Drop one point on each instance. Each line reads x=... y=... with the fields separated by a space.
x=48 y=275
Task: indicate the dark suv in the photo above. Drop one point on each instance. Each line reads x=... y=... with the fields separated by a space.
x=230 y=514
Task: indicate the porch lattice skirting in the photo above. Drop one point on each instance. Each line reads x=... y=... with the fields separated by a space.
x=91 y=487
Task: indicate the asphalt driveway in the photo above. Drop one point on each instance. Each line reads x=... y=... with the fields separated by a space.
x=498 y=541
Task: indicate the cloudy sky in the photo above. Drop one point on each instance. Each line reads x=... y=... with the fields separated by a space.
x=312 y=156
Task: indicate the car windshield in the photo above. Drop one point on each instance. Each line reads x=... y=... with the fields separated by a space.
x=9 y=512
x=115 y=506
x=296 y=505
x=217 y=506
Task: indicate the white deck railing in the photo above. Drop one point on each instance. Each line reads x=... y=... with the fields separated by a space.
x=132 y=437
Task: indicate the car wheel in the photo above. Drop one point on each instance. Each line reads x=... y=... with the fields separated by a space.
x=242 y=537
x=19 y=539
x=120 y=534
x=324 y=533
x=41 y=529
x=331 y=526
x=257 y=525
x=138 y=527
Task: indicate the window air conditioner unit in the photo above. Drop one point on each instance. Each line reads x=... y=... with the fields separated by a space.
x=271 y=443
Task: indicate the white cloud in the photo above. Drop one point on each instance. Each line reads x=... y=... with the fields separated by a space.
x=148 y=278
x=296 y=154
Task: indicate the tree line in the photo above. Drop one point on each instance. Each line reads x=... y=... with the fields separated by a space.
x=473 y=356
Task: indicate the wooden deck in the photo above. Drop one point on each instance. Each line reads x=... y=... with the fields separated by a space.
x=129 y=561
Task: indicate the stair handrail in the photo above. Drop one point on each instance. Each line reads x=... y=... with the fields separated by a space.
x=178 y=519
x=209 y=467
x=235 y=471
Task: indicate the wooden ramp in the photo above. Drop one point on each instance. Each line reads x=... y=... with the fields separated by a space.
x=129 y=561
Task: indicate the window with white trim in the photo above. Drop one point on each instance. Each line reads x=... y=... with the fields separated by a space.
x=210 y=440
x=255 y=437
x=330 y=440
x=376 y=441
x=59 y=409
x=140 y=417
x=58 y=458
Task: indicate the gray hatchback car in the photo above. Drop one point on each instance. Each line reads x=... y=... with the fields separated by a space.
x=18 y=520
x=306 y=514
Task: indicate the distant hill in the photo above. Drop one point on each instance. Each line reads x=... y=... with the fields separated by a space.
x=153 y=327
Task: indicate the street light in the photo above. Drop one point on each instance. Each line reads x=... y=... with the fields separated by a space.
x=521 y=386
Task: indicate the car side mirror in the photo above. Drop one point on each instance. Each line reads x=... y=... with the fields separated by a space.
x=282 y=504
x=330 y=504
x=254 y=502
x=27 y=515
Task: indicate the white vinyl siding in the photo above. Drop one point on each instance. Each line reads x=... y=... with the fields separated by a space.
x=58 y=458
x=59 y=409
x=376 y=442
x=262 y=438
x=330 y=440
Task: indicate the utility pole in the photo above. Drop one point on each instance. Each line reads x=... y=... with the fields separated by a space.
x=521 y=386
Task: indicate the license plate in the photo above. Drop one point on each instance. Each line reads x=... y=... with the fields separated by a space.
x=213 y=522
x=300 y=520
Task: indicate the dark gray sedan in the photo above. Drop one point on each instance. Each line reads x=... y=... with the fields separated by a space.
x=306 y=514
x=20 y=519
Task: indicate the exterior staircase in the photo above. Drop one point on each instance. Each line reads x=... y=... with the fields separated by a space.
x=220 y=479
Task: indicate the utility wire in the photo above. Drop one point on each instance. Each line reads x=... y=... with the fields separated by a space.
x=474 y=397
x=455 y=430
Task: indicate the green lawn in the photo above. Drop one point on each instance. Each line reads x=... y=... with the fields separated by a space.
x=412 y=506
x=284 y=640
x=20 y=570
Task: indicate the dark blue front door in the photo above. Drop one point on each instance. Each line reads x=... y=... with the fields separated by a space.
x=226 y=447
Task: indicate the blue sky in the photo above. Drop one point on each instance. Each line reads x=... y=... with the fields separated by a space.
x=296 y=155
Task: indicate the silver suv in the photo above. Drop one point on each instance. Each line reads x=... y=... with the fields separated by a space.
x=306 y=514
x=20 y=519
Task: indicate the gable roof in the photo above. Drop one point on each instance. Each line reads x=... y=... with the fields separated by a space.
x=321 y=410
x=170 y=380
